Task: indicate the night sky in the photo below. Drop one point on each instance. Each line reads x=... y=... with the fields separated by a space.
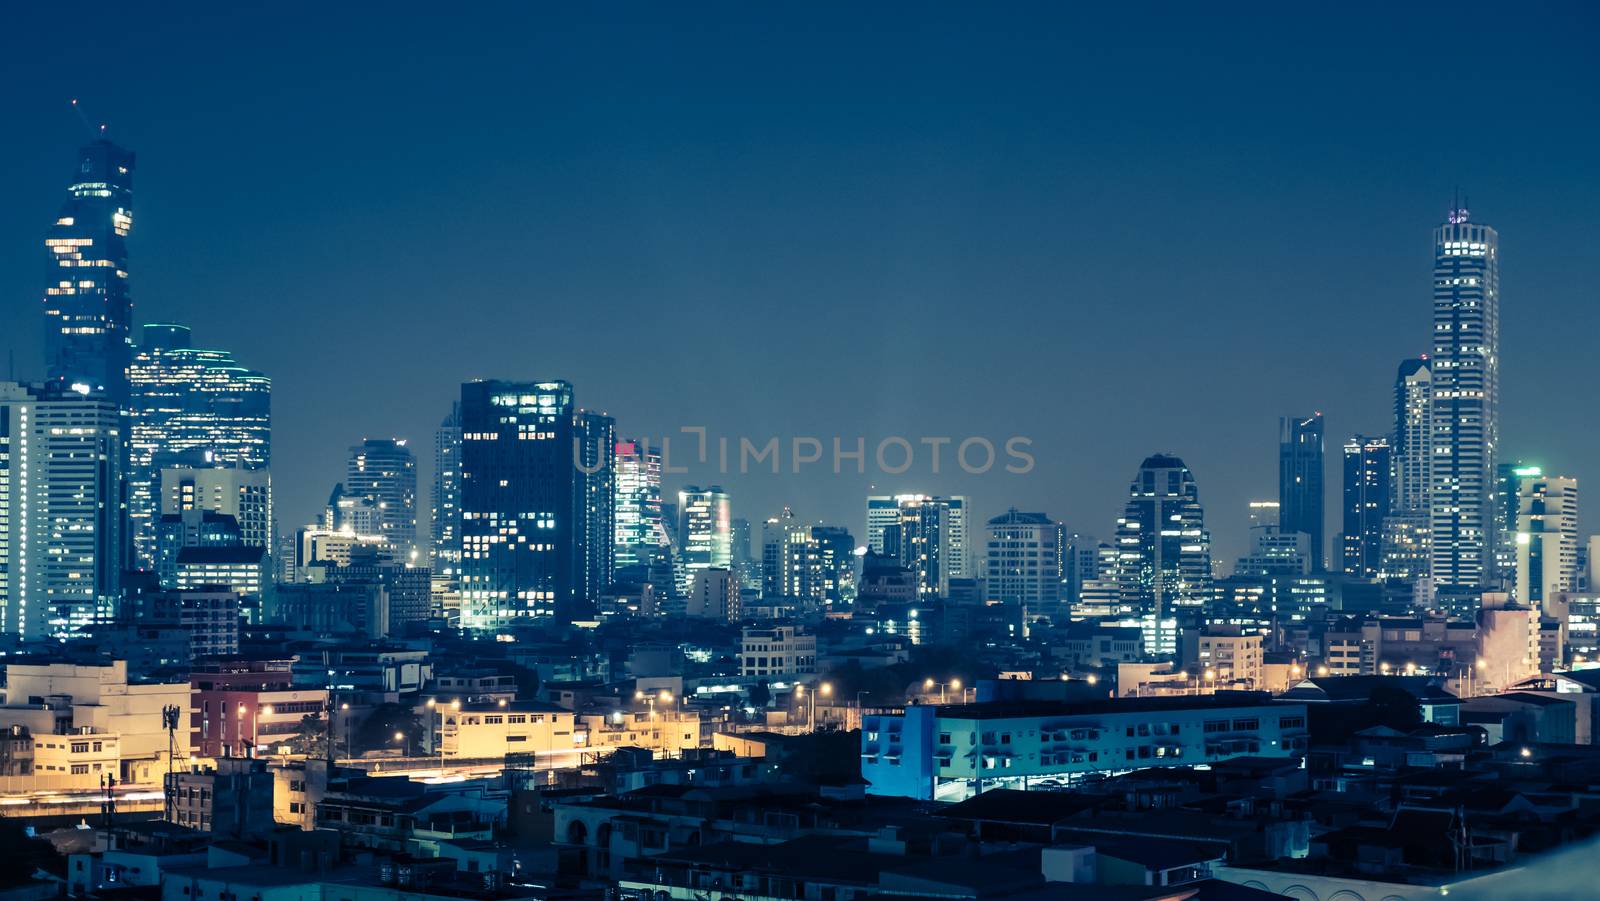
x=1116 y=233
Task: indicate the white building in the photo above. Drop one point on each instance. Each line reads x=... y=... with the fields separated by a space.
x=496 y=728
x=1022 y=561
x=244 y=494
x=714 y=594
x=98 y=703
x=777 y=651
x=1547 y=538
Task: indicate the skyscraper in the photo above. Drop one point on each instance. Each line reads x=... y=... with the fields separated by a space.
x=1163 y=549
x=1546 y=538
x=705 y=528
x=1367 y=469
x=1406 y=552
x=1465 y=369
x=1300 y=470
x=640 y=536
x=519 y=491
x=595 y=516
x=185 y=404
x=384 y=471
x=444 y=524
x=87 y=306
x=61 y=512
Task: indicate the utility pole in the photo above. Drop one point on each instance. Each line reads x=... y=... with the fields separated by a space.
x=169 y=719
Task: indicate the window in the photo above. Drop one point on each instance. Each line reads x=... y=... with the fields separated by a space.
x=1216 y=726
x=80 y=769
x=1292 y=722
x=80 y=747
x=1246 y=725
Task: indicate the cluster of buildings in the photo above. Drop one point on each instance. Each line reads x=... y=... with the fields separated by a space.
x=577 y=682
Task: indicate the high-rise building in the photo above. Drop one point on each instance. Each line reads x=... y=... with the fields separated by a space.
x=1546 y=538
x=705 y=530
x=1300 y=475
x=1465 y=370
x=444 y=524
x=640 y=536
x=714 y=594
x=1023 y=561
x=594 y=438
x=1413 y=439
x=189 y=405
x=87 y=306
x=61 y=510
x=519 y=491
x=384 y=471
x=927 y=534
x=1367 y=469
x=1405 y=552
x=1163 y=549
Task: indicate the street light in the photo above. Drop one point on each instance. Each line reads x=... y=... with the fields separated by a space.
x=405 y=745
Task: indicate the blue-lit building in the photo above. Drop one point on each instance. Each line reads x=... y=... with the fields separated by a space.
x=948 y=752
x=595 y=516
x=1367 y=491
x=520 y=493
x=88 y=309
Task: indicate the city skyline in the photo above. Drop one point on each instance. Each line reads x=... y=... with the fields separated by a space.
x=673 y=288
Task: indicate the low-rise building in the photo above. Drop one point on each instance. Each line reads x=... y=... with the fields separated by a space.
x=777 y=651
x=938 y=751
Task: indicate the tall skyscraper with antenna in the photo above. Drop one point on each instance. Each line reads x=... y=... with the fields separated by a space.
x=88 y=310
x=1465 y=370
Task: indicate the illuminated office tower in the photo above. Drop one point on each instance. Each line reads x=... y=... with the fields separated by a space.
x=1023 y=561
x=1367 y=469
x=640 y=536
x=187 y=403
x=61 y=518
x=595 y=514
x=705 y=528
x=384 y=471
x=1546 y=537
x=1465 y=367
x=519 y=491
x=1163 y=548
x=87 y=308
x=928 y=534
x=444 y=523
x=243 y=494
x=1300 y=475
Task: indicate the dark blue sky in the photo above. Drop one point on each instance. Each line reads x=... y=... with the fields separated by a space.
x=1116 y=232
